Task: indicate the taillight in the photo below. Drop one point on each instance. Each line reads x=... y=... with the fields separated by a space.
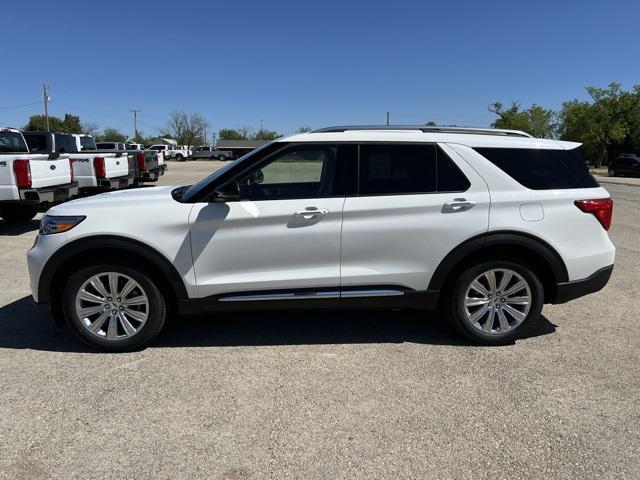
x=71 y=169
x=142 y=163
x=23 y=173
x=601 y=208
x=98 y=166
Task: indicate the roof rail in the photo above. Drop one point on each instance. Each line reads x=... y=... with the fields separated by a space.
x=427 y=129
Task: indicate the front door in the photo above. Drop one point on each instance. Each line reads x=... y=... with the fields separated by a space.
x=282 y=238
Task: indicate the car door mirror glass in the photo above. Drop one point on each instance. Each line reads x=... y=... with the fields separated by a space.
x=257 y=177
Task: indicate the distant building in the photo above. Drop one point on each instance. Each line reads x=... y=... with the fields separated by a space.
x=239 y=147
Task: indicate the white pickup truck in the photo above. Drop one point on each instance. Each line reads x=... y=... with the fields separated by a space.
x=155 y=164
x=30 y=180
x=170 y=151
x=94 y=170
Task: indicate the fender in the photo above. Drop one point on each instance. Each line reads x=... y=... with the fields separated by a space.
x=108 y=241
x=495 y=239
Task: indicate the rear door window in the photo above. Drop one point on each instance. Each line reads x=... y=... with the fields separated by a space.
x=37 y=142
x=392 y=169
x=540 y=169
x=88 y=143
x=12 y=142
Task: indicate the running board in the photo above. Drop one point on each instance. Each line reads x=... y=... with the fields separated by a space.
x=310 y=295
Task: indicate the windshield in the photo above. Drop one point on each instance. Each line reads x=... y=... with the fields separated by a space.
x=202 y=184
x=87 y=143
x=12 y=142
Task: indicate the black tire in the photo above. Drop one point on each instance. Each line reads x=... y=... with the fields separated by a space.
x=456 y=309
x=179 y=158
x=612 y=172
x=157 y=310
x=18 y=213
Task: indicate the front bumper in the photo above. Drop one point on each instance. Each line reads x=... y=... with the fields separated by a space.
x=53 y=194
x=567 y=291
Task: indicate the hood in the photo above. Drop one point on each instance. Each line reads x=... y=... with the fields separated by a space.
x=112 y=200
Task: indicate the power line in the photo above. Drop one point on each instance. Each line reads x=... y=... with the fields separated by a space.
x=21 y=106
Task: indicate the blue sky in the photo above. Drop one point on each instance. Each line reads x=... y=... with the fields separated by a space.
x=291 y=64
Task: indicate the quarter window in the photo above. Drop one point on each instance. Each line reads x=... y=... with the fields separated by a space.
x=540 y=169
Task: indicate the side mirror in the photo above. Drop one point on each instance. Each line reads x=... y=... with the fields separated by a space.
x=258 y=177
x=227 y=192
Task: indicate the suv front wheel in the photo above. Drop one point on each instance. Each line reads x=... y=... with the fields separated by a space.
x=114 y=307
x=495 y=302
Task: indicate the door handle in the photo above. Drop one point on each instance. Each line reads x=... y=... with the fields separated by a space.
x=312 y=212
x=458 y=205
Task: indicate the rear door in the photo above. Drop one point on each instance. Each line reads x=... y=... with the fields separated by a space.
x=414 y=204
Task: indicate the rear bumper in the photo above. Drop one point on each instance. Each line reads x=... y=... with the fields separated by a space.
x=53 y=194
x=150 y=175
x=567 y=291
x=115 y=183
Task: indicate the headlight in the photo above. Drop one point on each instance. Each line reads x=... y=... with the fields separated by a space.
x=51 y=224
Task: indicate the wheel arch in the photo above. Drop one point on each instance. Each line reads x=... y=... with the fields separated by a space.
x=107 y=248
x=537 y=253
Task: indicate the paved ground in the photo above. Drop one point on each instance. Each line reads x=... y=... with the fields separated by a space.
x=630 y=181
x=352 y=395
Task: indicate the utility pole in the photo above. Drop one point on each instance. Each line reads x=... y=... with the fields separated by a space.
x=388 y=113
x=213 y=143
x=205 y=136
x=46 y=98
x=135 y=123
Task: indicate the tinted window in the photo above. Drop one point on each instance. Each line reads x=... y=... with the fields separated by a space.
x=394 y=169
x=450 y=177
x=298 y=172
x=65 y=143
x=542 y=169
x=37 y=142
x=12 y=142
x=106 y=146
x=88 y=143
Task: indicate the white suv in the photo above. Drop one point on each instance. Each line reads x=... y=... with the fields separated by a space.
x=487 y=224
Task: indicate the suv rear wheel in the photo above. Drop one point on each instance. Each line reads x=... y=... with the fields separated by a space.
x=612 y=172
x=114 y=307
x=179 y=157
x=495 y=302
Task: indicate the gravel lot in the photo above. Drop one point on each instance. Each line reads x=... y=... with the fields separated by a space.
x=350 y=395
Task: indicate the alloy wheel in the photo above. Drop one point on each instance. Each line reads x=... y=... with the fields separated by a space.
x=497 y=301
x=112 y=306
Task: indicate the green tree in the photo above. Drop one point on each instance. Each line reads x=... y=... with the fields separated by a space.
x=303 y=130
x=70 y=124
x=607 y=125
x=230 y=134
x=263 y=134
x=111 y=135
x=536 y=120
